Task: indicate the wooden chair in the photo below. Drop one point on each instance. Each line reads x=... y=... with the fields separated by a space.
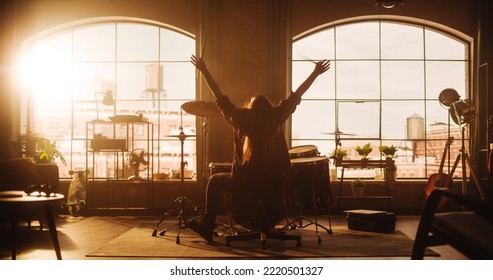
x=469 y=231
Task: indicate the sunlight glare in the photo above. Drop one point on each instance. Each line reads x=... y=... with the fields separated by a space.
x=45 y=74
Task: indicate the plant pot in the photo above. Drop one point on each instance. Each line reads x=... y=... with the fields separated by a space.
x=333 y=174
x=391 y=176
x=357 y=191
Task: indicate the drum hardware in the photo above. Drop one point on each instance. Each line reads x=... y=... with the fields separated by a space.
x=337 y=133
x=311 y=163
x=205 y=109
x=179 y=204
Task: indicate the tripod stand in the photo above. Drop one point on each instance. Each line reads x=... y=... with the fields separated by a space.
x=179 y=204
x=463 y=156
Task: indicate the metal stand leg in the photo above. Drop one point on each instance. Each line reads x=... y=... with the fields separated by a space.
x=179 y=203
x=298 y=221
x=463 y=156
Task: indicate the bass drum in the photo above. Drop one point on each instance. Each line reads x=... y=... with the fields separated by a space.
x=310 y=182
x=303 y=151
x=259 y=200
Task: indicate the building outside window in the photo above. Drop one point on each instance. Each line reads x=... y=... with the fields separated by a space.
x=145 y=66
x=382 y=89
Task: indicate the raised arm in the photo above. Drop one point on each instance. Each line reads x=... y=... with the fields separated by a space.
x=200 y=64
x=320 y=68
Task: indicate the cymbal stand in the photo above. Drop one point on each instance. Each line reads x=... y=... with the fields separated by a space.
x=179 y=204
x=205 y=125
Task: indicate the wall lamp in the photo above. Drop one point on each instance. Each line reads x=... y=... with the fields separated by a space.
x=388 y=3
x=107 y=100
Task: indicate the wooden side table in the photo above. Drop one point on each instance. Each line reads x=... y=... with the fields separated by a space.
x=365 y=163
x=15 y=203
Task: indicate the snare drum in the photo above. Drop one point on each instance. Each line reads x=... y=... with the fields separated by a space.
x=303 y=151
x=310 y=182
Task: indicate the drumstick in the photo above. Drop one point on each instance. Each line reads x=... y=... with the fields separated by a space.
x=307 y=58
x=203 y=46
x=202 y=53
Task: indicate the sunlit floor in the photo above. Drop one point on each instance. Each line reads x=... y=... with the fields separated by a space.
x=81 y=235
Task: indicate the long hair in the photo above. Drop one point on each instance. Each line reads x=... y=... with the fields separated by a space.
x=259 y=142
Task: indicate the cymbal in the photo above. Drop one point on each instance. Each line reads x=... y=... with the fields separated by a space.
x=180 y=135
x=338 y=133
x=204 y=109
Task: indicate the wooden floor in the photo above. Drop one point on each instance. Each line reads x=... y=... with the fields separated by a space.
x=81 y=235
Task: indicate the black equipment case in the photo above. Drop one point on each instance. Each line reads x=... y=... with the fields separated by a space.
x=371 y=220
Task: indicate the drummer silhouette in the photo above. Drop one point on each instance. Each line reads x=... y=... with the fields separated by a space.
x=261 y=158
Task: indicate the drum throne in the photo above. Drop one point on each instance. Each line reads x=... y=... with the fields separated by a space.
x=259 y=206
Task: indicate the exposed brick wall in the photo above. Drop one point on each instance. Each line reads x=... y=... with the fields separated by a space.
x=244 y=48
x=243 y=56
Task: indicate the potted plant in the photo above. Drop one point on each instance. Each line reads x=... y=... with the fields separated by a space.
x=358 y=187
x=389 y=154
x=364 y=151
x=39 y=148
x=338 y=155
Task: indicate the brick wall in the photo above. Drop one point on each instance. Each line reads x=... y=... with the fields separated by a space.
x=245 y=48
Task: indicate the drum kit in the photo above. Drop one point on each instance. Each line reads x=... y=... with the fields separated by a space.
x=310 y=169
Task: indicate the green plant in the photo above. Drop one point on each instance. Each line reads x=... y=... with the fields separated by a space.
x=365 y=150
x=339 y=153
x=358 y=187
x=358 y=183
x=387 y=151
x=37 y=147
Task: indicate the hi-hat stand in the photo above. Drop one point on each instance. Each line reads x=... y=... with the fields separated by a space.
x=179 y=205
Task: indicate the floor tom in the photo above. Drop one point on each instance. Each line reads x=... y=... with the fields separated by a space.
x=310 y=183
x=303 y=151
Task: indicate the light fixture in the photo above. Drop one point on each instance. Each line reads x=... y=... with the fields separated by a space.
x=107 y=100
x=388 y=3
x=462 y=112
x=447 y=97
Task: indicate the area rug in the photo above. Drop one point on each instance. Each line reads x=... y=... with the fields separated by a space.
x=342 y=243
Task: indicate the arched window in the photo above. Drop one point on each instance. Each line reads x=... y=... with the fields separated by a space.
x=382 y=89
x=145 y=66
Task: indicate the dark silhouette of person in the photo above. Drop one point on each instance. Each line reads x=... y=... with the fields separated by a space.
x=260 y=159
